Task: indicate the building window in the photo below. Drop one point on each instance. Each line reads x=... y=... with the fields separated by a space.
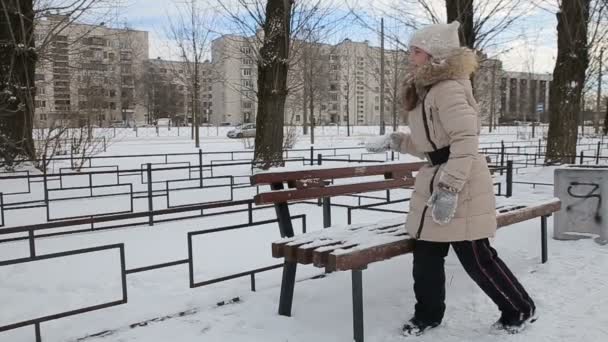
x=334 y=67
x=43 y=117
x=163 y=71
x=334 y=97
x=333 y=87
x=40 y=104
x=298 y=118
x=246 y=50
x=247 y=72
x=247 y=105
x=112 y=105
x=40 y=77
x=41 y=91
x=247 y=83
x=334 y=106
x=247 y=117
x=345 y=118
x=247 y=61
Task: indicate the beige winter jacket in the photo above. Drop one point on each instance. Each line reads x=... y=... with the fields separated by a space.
x=453 y=119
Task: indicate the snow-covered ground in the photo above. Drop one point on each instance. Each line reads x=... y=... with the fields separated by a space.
x=570 y=290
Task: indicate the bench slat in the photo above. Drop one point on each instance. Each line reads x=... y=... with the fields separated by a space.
x=330 y=191
x=359 y=259
x=334 y=173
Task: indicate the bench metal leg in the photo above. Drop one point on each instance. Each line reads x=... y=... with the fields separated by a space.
x=326 y=212
x=287 y=286
x=543 y=238
x=357 y=276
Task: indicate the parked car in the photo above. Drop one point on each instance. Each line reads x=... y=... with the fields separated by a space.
x=225 y=124
x=243 y=131
x=163 y=122
x=117 y=124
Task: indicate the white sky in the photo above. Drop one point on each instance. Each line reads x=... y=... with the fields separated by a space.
x=529 y=45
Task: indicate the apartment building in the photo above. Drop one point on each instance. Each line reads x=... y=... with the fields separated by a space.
x=89 y=74
x=525 y=96
x=169 y=88
x=345 y=79
x=103 y=76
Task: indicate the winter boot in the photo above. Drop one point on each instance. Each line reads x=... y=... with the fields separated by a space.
x=416 y=327
x=514 y=325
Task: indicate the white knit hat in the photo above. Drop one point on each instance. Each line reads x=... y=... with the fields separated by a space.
x=438 y=40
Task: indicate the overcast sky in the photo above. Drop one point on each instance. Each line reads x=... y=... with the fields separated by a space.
x=528 y=45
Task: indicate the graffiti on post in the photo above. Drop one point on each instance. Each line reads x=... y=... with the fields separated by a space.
x=588 y=191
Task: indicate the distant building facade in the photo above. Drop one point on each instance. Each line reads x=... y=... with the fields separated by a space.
x=89 y=74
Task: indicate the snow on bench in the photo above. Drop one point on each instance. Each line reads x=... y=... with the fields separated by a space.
x=342 y=248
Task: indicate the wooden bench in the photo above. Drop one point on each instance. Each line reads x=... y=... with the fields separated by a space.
x=354 y=247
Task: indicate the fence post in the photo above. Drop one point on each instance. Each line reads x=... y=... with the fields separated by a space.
x=582 y=157
x=200 y=166
x=150 y=198
x=509 y=178
x=598 y=153
x=72 y=154
x=45 y=181
x=502 y=155
x=319 y=159
x=312 y=155
x=326 y=212
x=136 y=132
x=104 y=144
x=392 y=155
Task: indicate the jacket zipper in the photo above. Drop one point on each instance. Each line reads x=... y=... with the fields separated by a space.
x=426 y=124
x=426 y=206
x=432 y=123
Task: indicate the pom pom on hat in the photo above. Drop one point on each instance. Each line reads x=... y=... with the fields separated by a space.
x=438 y=40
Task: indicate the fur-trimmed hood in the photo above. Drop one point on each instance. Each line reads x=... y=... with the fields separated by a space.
x=458 y=65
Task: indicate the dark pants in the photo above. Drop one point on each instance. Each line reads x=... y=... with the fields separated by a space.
x=482 y=264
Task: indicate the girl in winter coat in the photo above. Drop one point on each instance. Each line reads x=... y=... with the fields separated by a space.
x=453 y=202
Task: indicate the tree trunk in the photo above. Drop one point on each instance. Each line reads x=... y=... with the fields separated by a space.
x=17 y=70
x=462 y=10
x=606 y=118
x=568 y=81
x=311 y=107
x=305 y=111
x=273 y=66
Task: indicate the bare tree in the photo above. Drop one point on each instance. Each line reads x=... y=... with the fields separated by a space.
x=50 y=141
x=191 y=32
x=163 y=97
x=395 y=71
x=483 y=21
x=270 y=27
x=22 y=47
x=568 y=80
x=273 y=66
x=17 y=68
x=463 y=11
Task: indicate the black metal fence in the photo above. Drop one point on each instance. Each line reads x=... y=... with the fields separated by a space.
x=32 y=236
